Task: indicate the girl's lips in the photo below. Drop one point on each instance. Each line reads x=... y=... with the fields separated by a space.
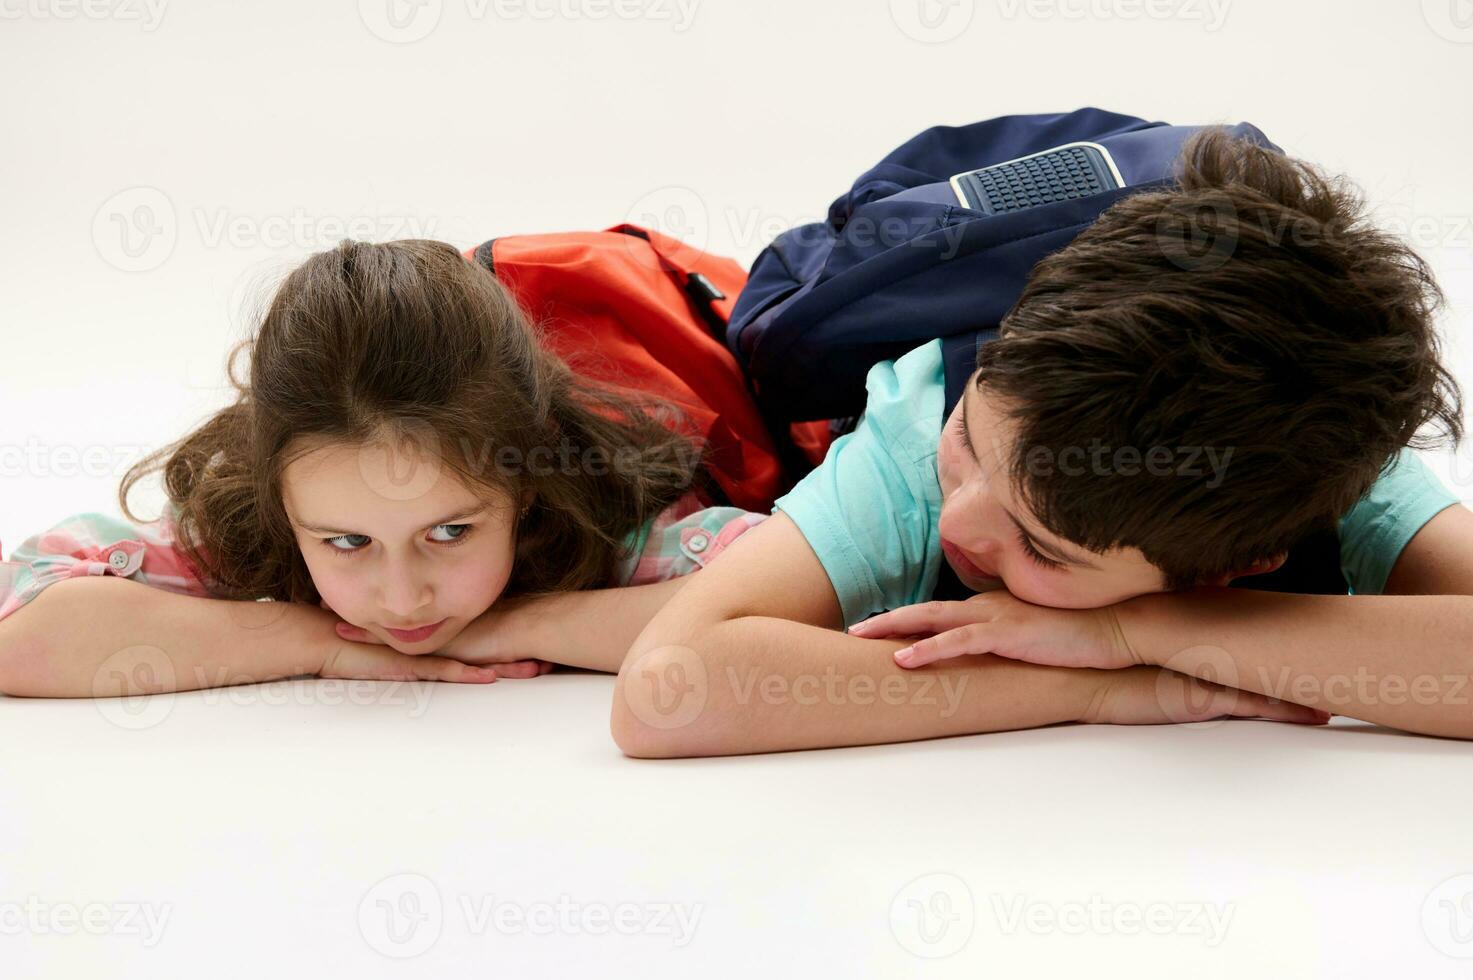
x=414 y=636
x=964 y=564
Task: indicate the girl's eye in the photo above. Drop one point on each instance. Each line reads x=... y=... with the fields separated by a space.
x=1040 y=559
x=464 y=532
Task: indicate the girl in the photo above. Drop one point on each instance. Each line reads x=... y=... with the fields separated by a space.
x=404 y=457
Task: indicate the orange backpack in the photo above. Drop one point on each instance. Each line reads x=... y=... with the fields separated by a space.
x=634 y=309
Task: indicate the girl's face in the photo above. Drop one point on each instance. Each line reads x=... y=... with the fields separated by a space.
x=388 y=552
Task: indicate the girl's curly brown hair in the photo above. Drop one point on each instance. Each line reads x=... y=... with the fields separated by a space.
x=370 y=344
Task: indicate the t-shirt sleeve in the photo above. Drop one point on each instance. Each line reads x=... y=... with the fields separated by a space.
x=870 y=509
x=98 y=544
x=684 y=538
x=1375 y=530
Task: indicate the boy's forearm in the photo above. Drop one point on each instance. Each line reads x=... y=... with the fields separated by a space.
x=96 y=636
x=760 y=684
x=590 y=629
x=1403 y=660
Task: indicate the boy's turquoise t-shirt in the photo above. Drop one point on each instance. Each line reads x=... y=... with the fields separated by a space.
x=871 y=510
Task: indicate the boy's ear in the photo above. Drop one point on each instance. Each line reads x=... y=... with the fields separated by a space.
x=1260 y=567
x=1269 y=564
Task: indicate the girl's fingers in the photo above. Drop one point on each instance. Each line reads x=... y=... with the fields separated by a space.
x=522 y=669
x=510 y=669
x=365 y=662
x=357 y=634
x=429 y=668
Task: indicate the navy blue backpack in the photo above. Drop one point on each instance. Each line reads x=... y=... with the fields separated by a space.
x=937 y=241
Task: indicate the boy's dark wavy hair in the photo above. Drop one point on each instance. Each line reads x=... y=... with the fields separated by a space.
x=406 y=344
x=1250 y=307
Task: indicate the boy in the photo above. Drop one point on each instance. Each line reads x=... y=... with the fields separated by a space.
x=1149 y=426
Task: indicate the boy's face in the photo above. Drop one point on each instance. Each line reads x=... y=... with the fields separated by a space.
x=992 y=542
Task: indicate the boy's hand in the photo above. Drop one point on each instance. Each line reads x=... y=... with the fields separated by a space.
x=1133 y=694
x=1157 y=696
x=474 y=647
x=1002 y=624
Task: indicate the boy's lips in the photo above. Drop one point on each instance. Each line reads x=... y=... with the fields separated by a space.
x=964 y=564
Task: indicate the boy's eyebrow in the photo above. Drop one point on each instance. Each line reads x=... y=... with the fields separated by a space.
x=1049 y=549
x=444 y=520
x=1039 y=543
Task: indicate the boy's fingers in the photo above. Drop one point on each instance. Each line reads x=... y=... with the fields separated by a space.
x=874 y=626
x=923 y=617
x=1251 y=704
x=1228 y=702
x=960 y=642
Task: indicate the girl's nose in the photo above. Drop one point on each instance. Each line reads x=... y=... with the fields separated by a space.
x=404 y=592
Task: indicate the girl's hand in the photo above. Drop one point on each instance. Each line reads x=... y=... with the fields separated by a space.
x=366 y=661
x=1002 y=624
x=1157 y=696
x=474 y=647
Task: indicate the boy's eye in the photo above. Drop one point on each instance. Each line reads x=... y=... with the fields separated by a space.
x=1038 y=558
x=961 y=425
x=464 y=530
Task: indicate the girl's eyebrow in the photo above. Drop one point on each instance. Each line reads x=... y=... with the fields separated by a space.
x=444 y=520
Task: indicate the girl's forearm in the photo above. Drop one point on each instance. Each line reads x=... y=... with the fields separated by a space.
x=98 y=636
x=760 y=684
x=1404 y=660
x=591 y=629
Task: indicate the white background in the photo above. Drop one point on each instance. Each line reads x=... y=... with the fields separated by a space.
x=268 y=127
x=256 y=133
